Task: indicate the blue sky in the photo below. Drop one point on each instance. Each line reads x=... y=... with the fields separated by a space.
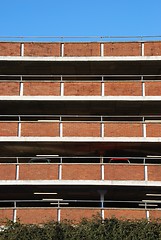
x=80 y=17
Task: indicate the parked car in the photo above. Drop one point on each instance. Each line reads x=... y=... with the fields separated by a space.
x=119 y=160
x=39 y=160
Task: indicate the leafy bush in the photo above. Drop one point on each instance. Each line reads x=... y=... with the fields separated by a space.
x=91 y=229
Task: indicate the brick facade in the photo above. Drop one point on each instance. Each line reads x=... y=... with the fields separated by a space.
x=5 y=214
x=125 y=213
x=81 y=172
x=42 y=49
x=81 y=49
x=36 y=215
x=9 y=88
x=80 y=129
x=123 y=89
x=96 y=131
x=8 y=129
x=122 y=49
x=38 y=172
x=78 y=214
x=154 y=173
x=9 y=49
x=152 y=88
x=152 y=48
x=124 y=172
x=123 y=129
x=82 y=89
x=153 y=129
x=41 y=88
x=41 y=129
x=7 y=172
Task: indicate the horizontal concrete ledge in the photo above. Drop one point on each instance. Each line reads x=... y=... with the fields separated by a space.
x=82 y=139
x=81 y=59
x=81 y=98
x=81 y=183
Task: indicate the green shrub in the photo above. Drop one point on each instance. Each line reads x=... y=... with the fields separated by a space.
x=87 y=229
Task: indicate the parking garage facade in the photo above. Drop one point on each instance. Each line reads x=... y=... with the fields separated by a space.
x=80 y=130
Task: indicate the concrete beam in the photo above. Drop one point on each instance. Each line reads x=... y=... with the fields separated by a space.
x=82 y=98
x=81 y=183
x=83 y=139
x=82 y=59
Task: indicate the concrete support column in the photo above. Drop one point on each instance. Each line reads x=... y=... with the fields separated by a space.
x=102 y=87
x=60 y=169
x=19 y=126
x=102 y=127
x=21 y=87
x=145 y=173
x=61 y=87
x=142 y=49
x=144 y=128
x=58 y=213
x=60 y=127
x=22 y=49
x=143 y=86
x=62 y=50
x=102 y=168
x=102 y=49
x=147 y=212
x=102 y=198
x=15 y=212
x=17 y=171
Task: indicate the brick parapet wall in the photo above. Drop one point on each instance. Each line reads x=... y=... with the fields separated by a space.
x=36 y=215
x=125 y=213
x=124 y=172
x=80 y=171
x=6 y=213
x=38 y=172
x=77 y=88
x=80 y=129
x=42 y=215
x=80 y=49
x=40 y=129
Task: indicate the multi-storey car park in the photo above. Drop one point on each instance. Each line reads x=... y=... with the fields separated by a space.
x=80 y=130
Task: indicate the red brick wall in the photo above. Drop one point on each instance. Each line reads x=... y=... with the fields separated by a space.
x=42 y=49
x=123 y=129
x=7 y=172
x=9 y=88
x=155 y=214
x=78 y=214
x=152 y=48
x=79 y=129
x=39 y=215
x=124 y=172
x=46 y=129
x=6 y=214
x=154 y=173
x=153 y=88
x=9 y=49
x=82 y=49
x=38 y=171
x=153 y=129
x=8 y=128
x=41 y=88
x=122 y=49
x=123 y=89
x=81 y=172
x=82 y=89
x=125 y=213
